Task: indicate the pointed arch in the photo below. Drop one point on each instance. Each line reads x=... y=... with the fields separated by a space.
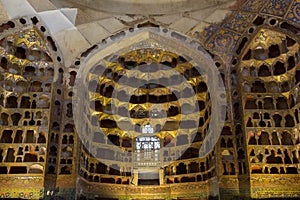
x=273 y=62
x=25 y=52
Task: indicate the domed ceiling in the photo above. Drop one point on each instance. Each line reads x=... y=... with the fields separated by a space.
x=148 y=7
x=254 y=45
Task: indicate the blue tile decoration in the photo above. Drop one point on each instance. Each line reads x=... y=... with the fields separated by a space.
x=239 y=22
x=294 y=13
x=277 y=7
x=224 y=36
x=254 y=5
x=223 y=41
x=209 y=31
